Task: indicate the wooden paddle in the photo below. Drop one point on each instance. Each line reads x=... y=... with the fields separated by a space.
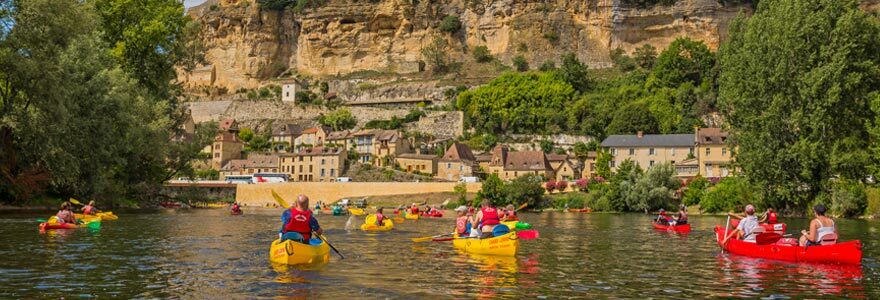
x=429 y=238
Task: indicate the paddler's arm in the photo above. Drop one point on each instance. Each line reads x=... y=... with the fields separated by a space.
x=285 y=218
x=737 y=216
x=313 y=224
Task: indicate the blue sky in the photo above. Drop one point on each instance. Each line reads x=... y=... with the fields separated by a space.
x=191 y=3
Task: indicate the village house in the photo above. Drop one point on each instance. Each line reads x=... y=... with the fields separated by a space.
x=458 y=161
x=497 y=161
x=589 y=165
x=311 y=137
x=388 y=143
x=646 y=150
x=284 y=136
x=566 y=171
x=714 y=155
x=343 y=139
x=521 y=163
x=226 y=147
x=415 y=162
x=254 y=163
x=323 y=164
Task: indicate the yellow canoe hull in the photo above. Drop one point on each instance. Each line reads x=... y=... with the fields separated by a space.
x=412 y=217
x=105 y=216
x=296 y=253
x=387 y=225
x=505 y=245
x=356 y=211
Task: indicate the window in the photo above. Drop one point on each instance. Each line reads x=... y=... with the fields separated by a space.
x=672 y=151
x=332 y=172
x=448 y=165
x=322 y=161
x=723 y=151
x=217 y=155
x=300 y=168
x=632 y=151
x=708 y=151
x=651 y=163
x=652 y=152
x=322 y=173
x=300 y=158
x=461 y=167
x=613 y=163
x=310 y=169
x=613 y=151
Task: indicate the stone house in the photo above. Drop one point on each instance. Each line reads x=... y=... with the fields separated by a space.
x=323 y=164
x=414 y=162
x=646 y=150
x=589 y=165
x=284 y=136
x=566 y=171
x=497 y=161
x=714 y=155
x=458 y=161
x=343 y=139
x=226 y=147
x=388 y=143
x=520 y=163
x=311 y=137
x=254 y=163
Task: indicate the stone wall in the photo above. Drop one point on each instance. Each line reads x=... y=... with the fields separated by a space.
x=391 y=91
x=261 y=194
x=442 y=124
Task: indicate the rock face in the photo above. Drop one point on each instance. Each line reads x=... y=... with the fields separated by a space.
x=247 y=44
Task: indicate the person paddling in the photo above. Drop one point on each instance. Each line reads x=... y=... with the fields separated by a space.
x=462 y=221
x=746 y=229
x=65 y=215
x=90 y=209
x=769 y=217
x=663 y=218
x=297 y=223
x=380 y=218
x=414 y=209
x=681 y=218
x=509 y=214
x=486 y=219
x=820 y=227
x=236 y=209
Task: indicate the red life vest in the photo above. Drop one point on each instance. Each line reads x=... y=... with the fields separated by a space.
x=771 y=218
x=380 y=219
x=490 y=216
x=461 y=225
x=87 y=210
x=299 y=222
x=414 y=210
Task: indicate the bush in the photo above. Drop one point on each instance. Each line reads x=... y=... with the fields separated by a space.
x=596 y=199
x=873 y=207
x=550 y=185
x=481 y=54
x=492 y=189
x=525 y=189
x=520 y=63
x=548 y=65
x=848 y=199
x=730 y=194
x=695 y=190
x=270 y=4
x=552 y=36
x=450 y=24
x=561 y=185
x=570 y=200
x=436 y=55
x=581 y=184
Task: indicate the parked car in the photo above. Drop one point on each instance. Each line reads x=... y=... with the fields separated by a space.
x=469 y=179
x=343 y=179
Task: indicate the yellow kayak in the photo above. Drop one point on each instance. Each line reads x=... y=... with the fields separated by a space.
x=370 y=224
x=410 y=216
x=105 y=216
x=296 y=253
x=356 y=211
x=504 y=245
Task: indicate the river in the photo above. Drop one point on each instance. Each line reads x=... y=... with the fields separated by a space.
x=209 y=254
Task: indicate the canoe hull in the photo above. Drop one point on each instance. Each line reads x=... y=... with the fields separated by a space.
x=778 y=227
x=677 y=228
x=387 y=225
x=412 y=217
x=505 y=245
x=845 y=253
x=295 y=253
x=434 y=215
x=105 y=216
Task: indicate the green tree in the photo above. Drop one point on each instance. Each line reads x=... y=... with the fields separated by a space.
x=481 y=54
x=274 y=4
x=655 y=189
x=546 y=145
x=645 y=56
x=848 y=198
x=339 y=119
x=685 y=60
x=436 y=55
x=730 y=194
x=621 y=192
x=574 y=72
x=449 y=24
x=461 y=190
x=622 y=61
x=633 y=117
x=246 y=135
x=603 y=164
x=695 y=190
x=492 y=189
x=547 y=66
x=524 y=189
x=520 y=63
x=797 y=79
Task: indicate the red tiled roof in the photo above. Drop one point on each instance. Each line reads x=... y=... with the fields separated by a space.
x=418 y=156
x=228 y=124
x=234 y=165
x=711 y=136
x=310 y=130
x=527 y=161
x=557 y=157
x=459 y=152
x=338 y=135
x=262 y=161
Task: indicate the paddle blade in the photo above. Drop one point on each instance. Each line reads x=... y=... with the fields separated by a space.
x=42 y=221
x=422 y=239
x=446 y=239
x=94 y=225
x=522 y=206
x=767 y=238
x=74 y=201
x=279 y=200
x=528 y=234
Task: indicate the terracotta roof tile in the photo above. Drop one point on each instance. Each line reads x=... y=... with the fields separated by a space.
x=459 y=152
x=527 y=161
x=711 y=136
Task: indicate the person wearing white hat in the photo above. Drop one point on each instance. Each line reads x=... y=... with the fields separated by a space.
x=746 y=228
x=462 y=221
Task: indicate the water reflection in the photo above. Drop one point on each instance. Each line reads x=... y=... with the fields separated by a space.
x=755 y=277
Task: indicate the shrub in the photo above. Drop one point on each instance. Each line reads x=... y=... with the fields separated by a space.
x=571 y=200
x=552 y=36
x=520 y=63
x=524 y=189
x=695 y=190
x=730 y=194
x=561 y=185
x=848 y=199
x=450 y=24
x=548 y=65
x=581 y=184
x=436 y=55
x=597 y=200
x=873 y=207
x=550 y=186
x=481 y=54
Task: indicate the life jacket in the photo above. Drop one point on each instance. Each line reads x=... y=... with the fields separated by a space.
x=665 y=216
x=299 y=222
x=88 y=210
x=771 y=218
x=490 y=216
x=380 y=219
x=65 y=216
x=461 y=225
x=414 y=210
x=682 y=216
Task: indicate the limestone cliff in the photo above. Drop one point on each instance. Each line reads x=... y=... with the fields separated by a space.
x=247 y=44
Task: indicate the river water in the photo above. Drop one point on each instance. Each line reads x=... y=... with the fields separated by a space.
x=209 y=254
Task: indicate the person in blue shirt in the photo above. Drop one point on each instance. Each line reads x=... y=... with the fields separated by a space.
x=297 y=223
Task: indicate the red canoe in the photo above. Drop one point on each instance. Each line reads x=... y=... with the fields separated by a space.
x=436 y=214
x=846 y=253
x=46 y=226
x=676 y=228
x=778 y=227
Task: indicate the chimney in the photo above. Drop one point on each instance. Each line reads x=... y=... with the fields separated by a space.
x=418 y=150
x=640 y=134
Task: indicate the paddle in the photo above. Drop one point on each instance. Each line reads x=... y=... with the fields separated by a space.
x=527 y=234
x=725 y=234
x=284 y=204
x=42 y=220
x=429 y=238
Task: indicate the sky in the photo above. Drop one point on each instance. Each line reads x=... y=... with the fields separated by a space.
x=191 y=3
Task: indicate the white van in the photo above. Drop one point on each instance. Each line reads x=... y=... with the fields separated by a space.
x=469 y=179
x=343 y=179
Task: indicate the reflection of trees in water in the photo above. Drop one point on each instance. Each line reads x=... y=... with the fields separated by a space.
x=752 y=277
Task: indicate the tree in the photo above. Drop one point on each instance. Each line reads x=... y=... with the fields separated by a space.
x=655 y=189
x=520 y=63
x=492 y=189
x=436 y=55
x=547 y=66
x=685 y=60
x=730 y=194
x=622 y=61
x=246 y=135
x=574 y=72
x=524 y=189
x=632 y=118
x=603 y=164
x=274 y=4
x=449 y=24
x=547 y=145
x=461 y=190
x=621 y=193
x=695 y=190
x=339 y=119
x=645 y=56
x=796 y=84
x=481 y=54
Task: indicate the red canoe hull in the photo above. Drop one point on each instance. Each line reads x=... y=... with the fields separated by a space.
x=846 y=253
x=677 y=228
x=434 y=215
x=47 y=226
x=778 y=227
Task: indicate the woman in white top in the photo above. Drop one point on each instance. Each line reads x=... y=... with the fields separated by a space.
x=819 y=227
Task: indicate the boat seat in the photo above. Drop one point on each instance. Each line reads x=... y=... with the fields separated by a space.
x=829 y=239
